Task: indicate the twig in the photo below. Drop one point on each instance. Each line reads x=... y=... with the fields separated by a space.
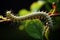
x=2 y=19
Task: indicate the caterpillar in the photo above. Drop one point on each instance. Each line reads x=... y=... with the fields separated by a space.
x=43 y=16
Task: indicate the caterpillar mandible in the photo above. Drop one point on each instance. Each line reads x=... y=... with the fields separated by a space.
x=33 y=15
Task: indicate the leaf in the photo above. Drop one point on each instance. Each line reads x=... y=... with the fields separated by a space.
x=34 y=28
x=23 y=12
x=21 y=27
x=35 y=6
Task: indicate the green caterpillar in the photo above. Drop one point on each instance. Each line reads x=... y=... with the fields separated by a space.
x=33 y=15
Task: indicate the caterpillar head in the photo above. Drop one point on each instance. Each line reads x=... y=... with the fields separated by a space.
x=8 y=14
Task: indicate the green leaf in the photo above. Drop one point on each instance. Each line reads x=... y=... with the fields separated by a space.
x=35 y=6
x=22 y=26
x=34 y=28
x=23 y=12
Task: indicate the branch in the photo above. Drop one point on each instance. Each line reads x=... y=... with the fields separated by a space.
x=3 y=19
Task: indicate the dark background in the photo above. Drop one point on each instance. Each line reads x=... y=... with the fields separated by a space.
x=14 y=5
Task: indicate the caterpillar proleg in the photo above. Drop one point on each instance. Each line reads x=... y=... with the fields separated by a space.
x=34 y=15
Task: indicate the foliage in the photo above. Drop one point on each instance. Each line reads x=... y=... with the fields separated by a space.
x=34 y=28
x=35 y=6
x=23 y=12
